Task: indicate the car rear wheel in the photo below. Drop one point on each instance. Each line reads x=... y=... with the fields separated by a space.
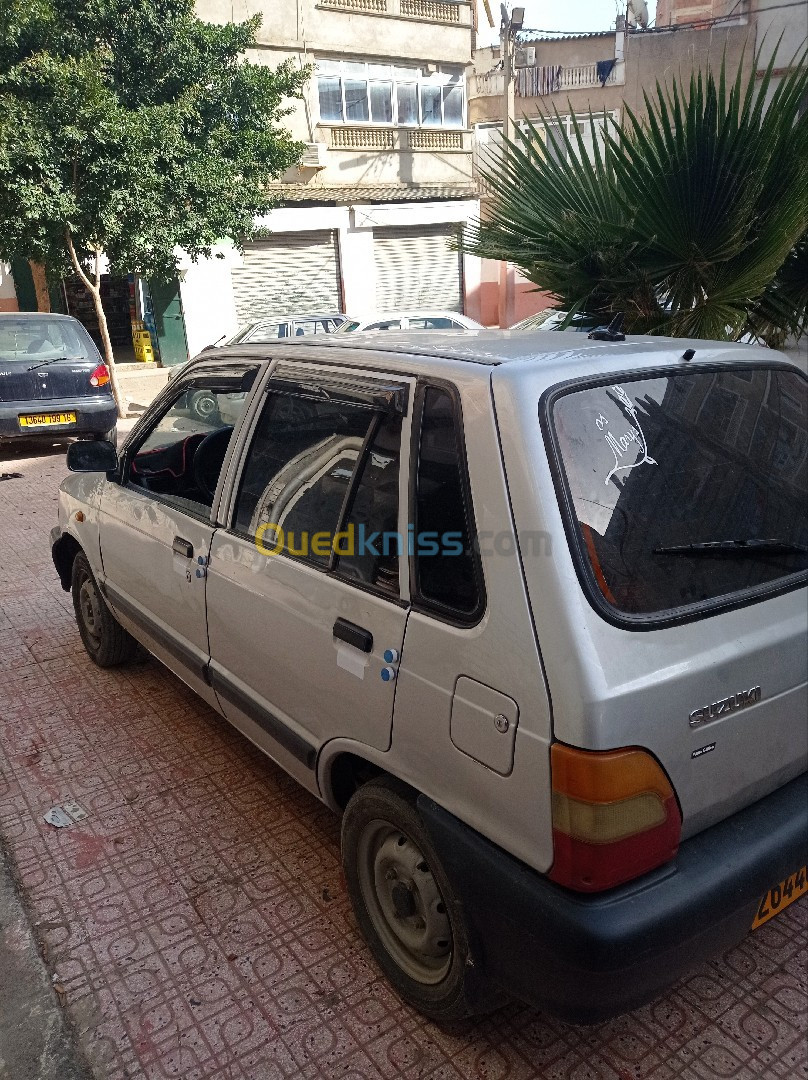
x=106 y=641
x=203 y=406
x=404 y=903
x=108 y=436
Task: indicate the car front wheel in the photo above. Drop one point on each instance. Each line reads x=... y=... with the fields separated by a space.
x=105 y=640
x=404 y=903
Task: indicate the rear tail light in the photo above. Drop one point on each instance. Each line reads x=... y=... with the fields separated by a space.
x=615 y=817
x=100 y=377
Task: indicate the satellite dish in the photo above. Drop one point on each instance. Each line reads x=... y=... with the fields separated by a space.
x=637 y=13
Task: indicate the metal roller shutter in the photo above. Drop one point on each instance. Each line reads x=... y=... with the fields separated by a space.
x=416 y=268
x=288 y=274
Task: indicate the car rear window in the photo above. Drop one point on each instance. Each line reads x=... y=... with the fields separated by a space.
x=32 y=339
x=687 y=490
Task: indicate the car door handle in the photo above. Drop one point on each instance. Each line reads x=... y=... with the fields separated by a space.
x=354 y=635
x=183 y=547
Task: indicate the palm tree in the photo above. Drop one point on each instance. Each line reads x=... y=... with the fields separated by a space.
x=692 y=221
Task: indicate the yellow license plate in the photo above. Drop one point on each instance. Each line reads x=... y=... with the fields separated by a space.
x=780 y=896
x=47 y=419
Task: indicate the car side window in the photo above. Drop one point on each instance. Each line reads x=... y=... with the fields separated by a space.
x=388 y=324
x=369 y=545
x=435 y=322
x=182 y=455
x=320 y=483
x=445 y=562
x=297 y=473
x=264 y=333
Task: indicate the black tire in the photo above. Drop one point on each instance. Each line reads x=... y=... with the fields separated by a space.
x=202 y=405
x=106 y=641
x=108 y=436
x=404 y=903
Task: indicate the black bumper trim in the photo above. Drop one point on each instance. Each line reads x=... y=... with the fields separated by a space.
x=300 y=749
x=96 y=415
x=195 y=662
x=588 y=957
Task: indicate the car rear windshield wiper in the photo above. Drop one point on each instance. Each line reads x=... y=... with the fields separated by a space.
x=735 y=547
x=53 y=360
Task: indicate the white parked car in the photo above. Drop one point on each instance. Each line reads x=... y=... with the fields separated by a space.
x=411 y=320
x=531 y=616
x=552 y=318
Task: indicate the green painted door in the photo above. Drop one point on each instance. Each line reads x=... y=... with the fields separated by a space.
x=170 y=322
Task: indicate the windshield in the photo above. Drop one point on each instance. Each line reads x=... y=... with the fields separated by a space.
x=36 y=340
x=675 y=482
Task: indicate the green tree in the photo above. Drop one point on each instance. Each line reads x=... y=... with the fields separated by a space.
x=691 y=221
x=132 y=128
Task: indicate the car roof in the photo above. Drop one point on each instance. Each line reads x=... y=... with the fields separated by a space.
x=299 y=315
x=35 y=315
x=413 y=313
x=545 y=354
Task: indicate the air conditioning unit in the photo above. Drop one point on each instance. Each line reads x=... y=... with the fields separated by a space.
x=524 y=57
x=314 y=156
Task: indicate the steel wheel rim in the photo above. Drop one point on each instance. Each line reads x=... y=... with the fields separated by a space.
x=90 y=608
x=205 y=406
x=404 y=902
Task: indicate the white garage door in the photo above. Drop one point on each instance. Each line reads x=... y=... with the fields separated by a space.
x=288 y=274
x=416 y=268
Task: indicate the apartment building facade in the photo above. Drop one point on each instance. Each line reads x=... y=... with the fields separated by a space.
x=364 y=222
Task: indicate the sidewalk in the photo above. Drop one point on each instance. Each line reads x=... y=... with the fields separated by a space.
x=196 y=920
x=35 y=1042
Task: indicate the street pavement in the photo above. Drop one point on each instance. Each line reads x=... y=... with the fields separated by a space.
x=195 y=924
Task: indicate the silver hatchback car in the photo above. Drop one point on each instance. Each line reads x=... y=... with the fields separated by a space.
x=529 y=612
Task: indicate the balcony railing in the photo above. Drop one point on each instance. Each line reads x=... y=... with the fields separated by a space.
x=577 y=77
x=398 y=139
x=457 y=12
x=434 y=10
x=356 y=5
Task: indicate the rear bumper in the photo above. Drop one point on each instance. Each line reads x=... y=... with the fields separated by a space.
x=588 y=957
x=93 y=414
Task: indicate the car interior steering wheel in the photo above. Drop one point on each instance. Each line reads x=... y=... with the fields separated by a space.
x=208 y=460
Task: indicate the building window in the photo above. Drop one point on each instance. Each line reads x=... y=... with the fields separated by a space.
x=359 y=93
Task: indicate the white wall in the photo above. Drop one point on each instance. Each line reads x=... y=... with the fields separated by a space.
x=206 y=292
x=206 y=286
x=8 y=295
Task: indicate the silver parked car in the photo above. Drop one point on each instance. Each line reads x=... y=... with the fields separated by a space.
x=411 y=320
x=531 y=616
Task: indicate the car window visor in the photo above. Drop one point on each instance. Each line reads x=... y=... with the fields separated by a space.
x=223 y=384
x=375 y=394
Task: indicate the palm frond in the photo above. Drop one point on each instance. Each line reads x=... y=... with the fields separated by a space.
x=690 y=218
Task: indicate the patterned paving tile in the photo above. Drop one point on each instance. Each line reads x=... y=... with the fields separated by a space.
x=197 y=919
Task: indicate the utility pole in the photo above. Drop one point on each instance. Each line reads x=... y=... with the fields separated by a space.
x=509 y=26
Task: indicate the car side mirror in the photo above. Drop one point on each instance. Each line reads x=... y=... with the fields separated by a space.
x=90 y=456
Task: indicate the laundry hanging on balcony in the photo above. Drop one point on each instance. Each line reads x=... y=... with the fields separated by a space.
x=538 y=81
x=605 y=68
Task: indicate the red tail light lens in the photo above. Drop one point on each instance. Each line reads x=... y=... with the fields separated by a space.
x=100 y=377
x=615 y=817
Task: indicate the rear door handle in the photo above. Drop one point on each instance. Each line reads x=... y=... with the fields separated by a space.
x=354 y=635
x=183 y=547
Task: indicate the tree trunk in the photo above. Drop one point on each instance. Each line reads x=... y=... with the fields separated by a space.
x=94 y=289
x=40 y=286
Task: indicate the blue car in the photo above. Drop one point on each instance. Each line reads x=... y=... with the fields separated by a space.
x=53 y=381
